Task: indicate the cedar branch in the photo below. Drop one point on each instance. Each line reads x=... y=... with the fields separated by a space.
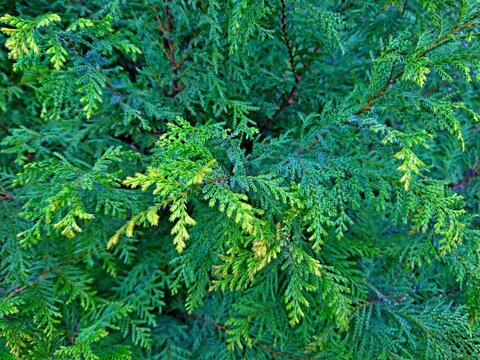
x=290 y=98
x=166 y=29
x=471 y=173
x=272 y=351
x=440 y=41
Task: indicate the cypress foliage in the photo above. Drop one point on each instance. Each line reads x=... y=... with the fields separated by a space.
x=240 y=179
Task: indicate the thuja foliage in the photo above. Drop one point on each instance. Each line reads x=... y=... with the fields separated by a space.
x=240 y=179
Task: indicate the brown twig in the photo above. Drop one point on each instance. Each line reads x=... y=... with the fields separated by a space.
x=440 y=41
x=208 y=321
x=289 y=99
x=471 y=173
x=6 y=197
x=433 y=88
x=4 y=129
x=445 y=38
x=114 y=90
x=344 y=6
x=380 y=93
x=74 y=335
x=22 y=288
x=166 y=29
x=398 y=298
x=312 y=144
x=187 y=51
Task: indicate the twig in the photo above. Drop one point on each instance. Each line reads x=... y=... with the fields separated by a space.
x=440 y=41
x=380 y=93
x=6 y=197
x=166 y=29
x=392 y=79
x=289 y=99
x=433 y=88
x=312 y=144
x=74 y=335
x=444 y=39
x=471 y=173
x=114 y=90
x=374 y=299
x=22 y=288
x=5 y=129
x=208 y=321
x=397 y=298
x=187 y=51
x=344 y=6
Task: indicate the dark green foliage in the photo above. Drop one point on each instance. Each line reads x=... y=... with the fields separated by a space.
x=240 y=179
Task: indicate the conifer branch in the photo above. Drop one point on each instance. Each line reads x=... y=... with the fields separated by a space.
x=166 y=29
x=208 y=321
x=440 y=41
x=473 y=172
x=374 y=299
x=278 y=354
x=74 y=335
x=391 y=80
x=434 y=88
x=310 y=146
x=345 y=6
x=262 y=345
x=22 y=288
x=5 y=130
x=6 y=196
x=289 y=99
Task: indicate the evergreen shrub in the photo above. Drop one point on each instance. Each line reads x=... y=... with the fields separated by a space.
x=239 y=179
